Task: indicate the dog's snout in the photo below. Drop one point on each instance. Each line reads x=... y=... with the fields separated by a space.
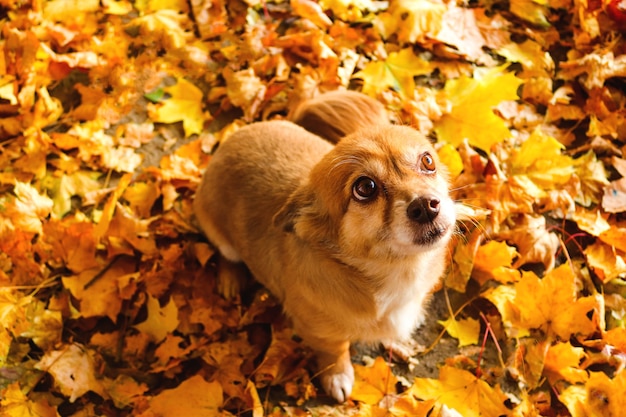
x=424 y=209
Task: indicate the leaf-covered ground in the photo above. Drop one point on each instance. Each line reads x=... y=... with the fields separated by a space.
x=108 y=113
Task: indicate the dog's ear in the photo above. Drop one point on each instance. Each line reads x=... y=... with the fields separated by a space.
x=307 y=217
x=297 y=205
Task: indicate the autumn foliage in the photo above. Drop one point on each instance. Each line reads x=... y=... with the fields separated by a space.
x=109 y=110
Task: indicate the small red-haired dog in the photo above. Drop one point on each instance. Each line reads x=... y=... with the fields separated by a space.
x=346 y=223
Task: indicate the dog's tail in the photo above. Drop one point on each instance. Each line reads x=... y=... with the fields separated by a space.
x=336 y=114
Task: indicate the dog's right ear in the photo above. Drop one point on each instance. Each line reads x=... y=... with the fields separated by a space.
x=298 y=203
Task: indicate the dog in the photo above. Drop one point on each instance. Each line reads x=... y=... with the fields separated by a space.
x=350 y=237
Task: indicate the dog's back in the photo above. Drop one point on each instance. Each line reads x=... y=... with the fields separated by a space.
x=336 y=114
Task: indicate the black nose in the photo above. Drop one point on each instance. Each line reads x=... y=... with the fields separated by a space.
x=424 y=209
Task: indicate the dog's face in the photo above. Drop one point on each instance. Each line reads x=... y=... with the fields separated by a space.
x=380 y=193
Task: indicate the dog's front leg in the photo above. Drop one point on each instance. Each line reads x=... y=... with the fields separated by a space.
x=333 y=360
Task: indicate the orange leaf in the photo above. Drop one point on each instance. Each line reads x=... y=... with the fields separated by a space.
x=463 y=392
x=373 y=383
x=552 y=305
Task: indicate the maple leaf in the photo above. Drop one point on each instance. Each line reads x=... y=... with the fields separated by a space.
x=530 y=54
x=160 y=321
x=348 y=9
x=562 y=362
x=25 y=210
x=15 y=403
x=62 y=189
x=245 y=90
x=201 y=398
x=593 y=179
x=27 y=317
x=163 y=26
x=503 y=297
x=124 y=390
x=531 y=11
x=413 y=21
x=373 y=383
x=472 y=102
x=540 y=158
x=100 y=291
x=493 y=260
x=600 y=396
x=464 y=254
x=184 y=104
x=552 y=305
x=465 y=330
x=74 y=370
x=463 y=392
x=312 y=11
x=605 y=262
x=72 y=242
x=396 y=72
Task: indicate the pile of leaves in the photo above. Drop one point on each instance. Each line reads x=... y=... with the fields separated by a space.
x=109 y=110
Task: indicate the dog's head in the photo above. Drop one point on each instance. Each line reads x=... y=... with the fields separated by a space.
x=380 y=193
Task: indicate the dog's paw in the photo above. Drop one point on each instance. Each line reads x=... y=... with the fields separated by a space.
x=338 y=384
x=402 y=351
x=231 y=278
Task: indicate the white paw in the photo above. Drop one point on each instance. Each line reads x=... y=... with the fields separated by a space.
x=339 y=384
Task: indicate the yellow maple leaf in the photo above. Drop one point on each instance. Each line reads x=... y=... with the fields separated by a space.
x=450 y=157
x=396 y=72
x=530 y=54
x=194 y=397
x=15 y=403
x=540 y=158
x=472 y=102
x=503 y=297
x=533 y=11
x=124 y=390
x=552 y=304
x=607 y=263
x=63 y=188
x=593 y=178
x=465 y=330
x=348 y=9
x=562 y=362
x=600 y=396
x=373 y=383
x=412 y=20
x=183 y=105
x=463 y=392
x=493 y=261
x=160 y=321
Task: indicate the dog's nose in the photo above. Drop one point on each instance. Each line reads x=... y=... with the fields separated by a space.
x=424 y=209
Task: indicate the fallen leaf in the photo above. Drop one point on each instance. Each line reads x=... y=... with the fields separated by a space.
x=373 y=383
x=552 y=304
x=465 y=330
x=74 y=371
x=396 y=72
x=473 y=101
x=201 y=398
x=463 y=392
x=160 y=321
x=183 y=105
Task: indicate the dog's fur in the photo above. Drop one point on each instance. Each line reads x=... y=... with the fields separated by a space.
x=291 y=206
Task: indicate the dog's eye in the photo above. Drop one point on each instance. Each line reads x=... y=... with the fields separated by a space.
x=364 y=189
x=427 y=162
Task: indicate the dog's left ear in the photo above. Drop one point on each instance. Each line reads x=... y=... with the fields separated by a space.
x=298 y=203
